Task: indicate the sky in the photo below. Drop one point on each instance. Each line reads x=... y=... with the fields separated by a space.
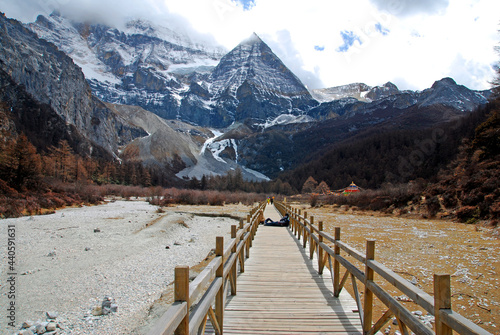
x=327 y=43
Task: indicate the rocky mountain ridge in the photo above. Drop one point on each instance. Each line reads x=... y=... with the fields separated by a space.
x=255 y=106
x=51 y=78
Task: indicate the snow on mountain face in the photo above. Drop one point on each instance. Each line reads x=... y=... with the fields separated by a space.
x=355 y=90
x=142 y=44
x=359 y=91
x=252 y=60
x=252 y=82
x=145 y=65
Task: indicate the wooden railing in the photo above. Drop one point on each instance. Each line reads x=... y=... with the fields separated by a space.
x=193 y=301
x=446 y=320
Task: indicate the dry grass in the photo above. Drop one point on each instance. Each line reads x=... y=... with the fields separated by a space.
x=416 y=249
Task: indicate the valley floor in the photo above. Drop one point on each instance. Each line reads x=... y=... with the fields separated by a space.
x=69 y=261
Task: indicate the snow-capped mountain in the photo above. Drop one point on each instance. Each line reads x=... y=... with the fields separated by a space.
x=251 y=82
x=258 y=105
x=145 y=65
x=51 y=78
x=163 y=71
x=362 y=99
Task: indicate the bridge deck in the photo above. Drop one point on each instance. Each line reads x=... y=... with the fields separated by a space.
x=280 y=291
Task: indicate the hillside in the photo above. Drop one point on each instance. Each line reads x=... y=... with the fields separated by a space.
x=470 y=186
x=387 y=155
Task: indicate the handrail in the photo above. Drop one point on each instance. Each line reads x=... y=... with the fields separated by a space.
x=210 y=284
x=446 y=320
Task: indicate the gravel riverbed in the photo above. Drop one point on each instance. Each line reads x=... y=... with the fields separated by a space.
x=69 y=261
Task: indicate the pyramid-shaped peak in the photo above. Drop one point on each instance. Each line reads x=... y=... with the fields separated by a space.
x=253 y=39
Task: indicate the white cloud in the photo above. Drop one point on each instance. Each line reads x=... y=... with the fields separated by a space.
x=411 y=43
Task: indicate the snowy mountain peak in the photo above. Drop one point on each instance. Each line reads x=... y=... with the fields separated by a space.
x=253 y=39
x=251 y=82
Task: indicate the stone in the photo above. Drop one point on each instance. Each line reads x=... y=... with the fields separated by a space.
x=27 y=324
x=97 y=311
x=51 y=315
x=114 y=308
x=51 y=326
x=97 y=230
x=26 y=332
x=108 y=305
x=40 y=328
x=87 y=249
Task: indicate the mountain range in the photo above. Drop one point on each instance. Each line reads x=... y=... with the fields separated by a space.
x=150 y=94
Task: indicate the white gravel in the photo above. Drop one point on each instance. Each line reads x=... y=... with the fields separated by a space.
x=125 y=260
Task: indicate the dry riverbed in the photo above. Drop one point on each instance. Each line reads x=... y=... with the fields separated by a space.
x=69 y=261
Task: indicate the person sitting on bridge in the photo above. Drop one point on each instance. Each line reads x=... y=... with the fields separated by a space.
x=284 y=222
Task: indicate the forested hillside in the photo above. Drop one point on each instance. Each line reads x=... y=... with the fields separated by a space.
x=379 y=156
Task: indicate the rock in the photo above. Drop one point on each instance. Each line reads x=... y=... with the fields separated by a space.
x=394 y=321
x=97 y=230
x=51 y=254
x=108 y=305
x=414 y=281
x=26 y=332
x=97 y=311
x=177 y=243
x=40 y=328
x=418 y=313
x=87 y=249
x=51 y=315
x=27 y=324
x=114 y=308
x=51 y=326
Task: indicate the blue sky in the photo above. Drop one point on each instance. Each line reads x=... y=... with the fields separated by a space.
x=328 y=42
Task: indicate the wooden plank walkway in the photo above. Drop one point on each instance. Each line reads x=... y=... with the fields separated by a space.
x=280 y=291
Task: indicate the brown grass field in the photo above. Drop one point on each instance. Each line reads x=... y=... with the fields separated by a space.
x=418 y=248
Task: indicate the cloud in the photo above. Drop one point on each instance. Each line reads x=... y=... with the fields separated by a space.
x=283 y=46
x=411 y=7
x=411 y=43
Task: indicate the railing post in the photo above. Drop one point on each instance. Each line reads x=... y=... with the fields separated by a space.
x=294 y=221
x=249 y=219
x=368 y=295
x=306 y=237
x=321 y=264
x=235 y=265
x=298 y=225
x=181 y=293
x=312 y=244
x=241 y=256
x=442 y=300
x=336 y=265
x=219 y=298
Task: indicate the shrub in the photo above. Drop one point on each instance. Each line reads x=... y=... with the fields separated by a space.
x=469 y=214
x=313 y=200
x=432 y=204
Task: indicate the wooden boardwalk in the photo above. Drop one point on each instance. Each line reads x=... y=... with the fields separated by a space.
x=280 y=291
